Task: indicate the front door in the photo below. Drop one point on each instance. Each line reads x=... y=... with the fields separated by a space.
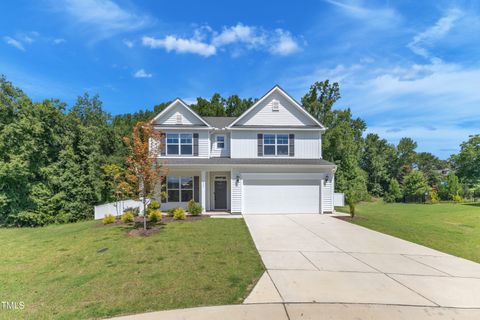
x=220 y=194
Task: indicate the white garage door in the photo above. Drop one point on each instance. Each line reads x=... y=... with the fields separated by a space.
x=281 y=196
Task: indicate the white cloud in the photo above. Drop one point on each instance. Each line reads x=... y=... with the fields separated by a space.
x=59 y=41
x=103 y=18
x=440 y=29
x=374 y=17
x=207 y=42
x=14 y=43
x=239 y=33
x=180 y=45
x=141 y=73
x=128 y=43
x=285 y=44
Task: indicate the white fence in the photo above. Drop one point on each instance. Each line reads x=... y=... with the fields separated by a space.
x=111 y=208
x=338 y=199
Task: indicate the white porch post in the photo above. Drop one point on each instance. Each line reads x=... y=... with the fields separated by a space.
x=203 y=190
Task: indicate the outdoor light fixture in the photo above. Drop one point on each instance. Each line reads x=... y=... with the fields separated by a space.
x=237 y=180
x=326 y=179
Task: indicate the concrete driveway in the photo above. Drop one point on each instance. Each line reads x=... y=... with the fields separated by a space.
x=321 y=259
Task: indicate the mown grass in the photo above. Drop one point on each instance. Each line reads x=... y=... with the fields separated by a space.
x=58 y=272
x=447 y=227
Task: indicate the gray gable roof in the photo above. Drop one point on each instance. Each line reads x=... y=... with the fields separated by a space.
x=219 y=122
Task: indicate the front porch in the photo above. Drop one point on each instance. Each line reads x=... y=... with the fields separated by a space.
x=211 y=189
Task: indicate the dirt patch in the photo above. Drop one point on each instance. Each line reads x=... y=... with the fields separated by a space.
x=140 y=232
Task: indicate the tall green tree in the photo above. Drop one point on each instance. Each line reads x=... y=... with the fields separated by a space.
x=467 y=161
x=342 y=143
x=376 y=156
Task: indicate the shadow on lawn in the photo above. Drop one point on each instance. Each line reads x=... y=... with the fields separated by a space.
x=473 y=204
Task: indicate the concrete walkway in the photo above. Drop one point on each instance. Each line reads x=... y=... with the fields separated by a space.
x=321 y=259
x=319 y=267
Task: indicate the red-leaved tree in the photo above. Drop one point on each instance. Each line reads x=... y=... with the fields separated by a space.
x=143 y=172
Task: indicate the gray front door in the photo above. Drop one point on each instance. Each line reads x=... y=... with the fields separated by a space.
x=221 y=195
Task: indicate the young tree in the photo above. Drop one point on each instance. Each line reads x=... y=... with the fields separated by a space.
x=116 y=181
x=415 y=185
x=144 y=172
x=356 y=191
x=450 y=187
x=394 y=192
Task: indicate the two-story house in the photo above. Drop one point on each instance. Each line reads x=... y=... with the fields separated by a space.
x=266 y=161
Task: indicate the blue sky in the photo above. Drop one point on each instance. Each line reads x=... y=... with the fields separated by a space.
x=409 y=68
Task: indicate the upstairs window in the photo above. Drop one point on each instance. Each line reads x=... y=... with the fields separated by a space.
x=220 y=142
x=275 y=144
x=179 y=144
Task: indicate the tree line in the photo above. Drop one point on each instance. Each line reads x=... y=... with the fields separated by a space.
x=53 y=157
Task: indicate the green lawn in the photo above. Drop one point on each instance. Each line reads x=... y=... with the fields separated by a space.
x=451 y=228
x=58 y=273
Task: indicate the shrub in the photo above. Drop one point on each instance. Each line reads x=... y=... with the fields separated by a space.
x=434 y=197
x=170 y=212
x=194 y=208
x=154 y=205
x=128 y=217
x=29 y=219
x=179 y=214
x=155 y=215
x=457 y=198
x=134 y=211
x=109 y=218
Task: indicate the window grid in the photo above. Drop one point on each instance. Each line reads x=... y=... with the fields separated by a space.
x=276 y=144
x=179 y=144
x=179 y=188
x=220 y=142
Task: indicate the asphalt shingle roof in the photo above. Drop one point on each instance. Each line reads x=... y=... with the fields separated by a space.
x=219 y=122
x=238 y=161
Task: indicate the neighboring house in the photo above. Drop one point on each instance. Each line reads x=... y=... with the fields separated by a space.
x=267 y=161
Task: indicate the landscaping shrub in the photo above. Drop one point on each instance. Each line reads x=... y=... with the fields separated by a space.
x=109 y=218
x=170 y=212
x=134 y=211
x=155 y=215
x=154 y=205
x=128 y=217
x=194 y=208
x=179 y=214
x=434 y=197
x=457 y=198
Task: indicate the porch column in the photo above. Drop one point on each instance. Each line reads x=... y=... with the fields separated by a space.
x=203 y=190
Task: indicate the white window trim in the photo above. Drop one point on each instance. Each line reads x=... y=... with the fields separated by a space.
x=180 y=188
x=216 y=141
x=179 y=144
x=276 y=144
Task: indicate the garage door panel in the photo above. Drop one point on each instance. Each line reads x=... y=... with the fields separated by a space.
x=281 y=196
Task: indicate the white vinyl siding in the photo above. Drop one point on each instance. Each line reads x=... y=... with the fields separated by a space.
x=177 y=112
x=287 y=114
x=216 y=152
x=307 y=144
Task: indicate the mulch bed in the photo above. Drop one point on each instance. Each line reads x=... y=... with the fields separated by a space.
x=137 y=225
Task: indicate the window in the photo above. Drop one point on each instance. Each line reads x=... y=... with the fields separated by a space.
x=179 y=143
x=179 y=189
x=220 y=142
x=275 y=144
